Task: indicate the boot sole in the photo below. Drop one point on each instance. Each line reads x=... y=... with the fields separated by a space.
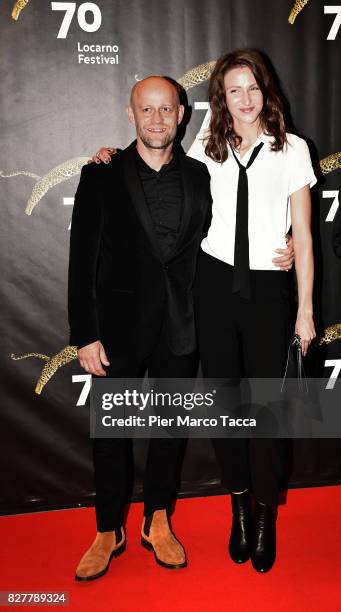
x=260 y=567
x=115 y=553
x=149 y=546
x=239 y=560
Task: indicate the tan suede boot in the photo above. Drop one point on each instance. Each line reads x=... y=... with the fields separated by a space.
x=95 y=562
x=157 y=536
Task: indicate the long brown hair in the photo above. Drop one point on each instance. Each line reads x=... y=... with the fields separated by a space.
x=221 y=125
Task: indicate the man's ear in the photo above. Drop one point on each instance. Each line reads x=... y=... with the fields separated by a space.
x=181 y=112
x=130 y=114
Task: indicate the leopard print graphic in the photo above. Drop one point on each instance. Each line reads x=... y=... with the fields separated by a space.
x=67 y=354
x=197 y=75
x=296 y=9
x=331 y=333
x=331 y=163
x=18 y=7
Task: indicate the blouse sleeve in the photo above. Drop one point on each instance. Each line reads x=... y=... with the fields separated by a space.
x=301 y=169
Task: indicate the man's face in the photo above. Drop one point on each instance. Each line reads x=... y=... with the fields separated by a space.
x=156 y=112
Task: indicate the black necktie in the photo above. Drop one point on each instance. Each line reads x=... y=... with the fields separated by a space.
x=241 y=272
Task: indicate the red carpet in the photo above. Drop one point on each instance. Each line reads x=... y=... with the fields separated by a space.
x=39 y=552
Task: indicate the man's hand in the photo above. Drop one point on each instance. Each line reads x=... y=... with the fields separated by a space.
x=103 y=155
x=92 y=356
x=287 y=255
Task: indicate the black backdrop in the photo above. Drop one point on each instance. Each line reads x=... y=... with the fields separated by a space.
x=55 y=111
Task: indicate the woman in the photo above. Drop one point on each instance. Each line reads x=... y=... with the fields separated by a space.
x=260 y=183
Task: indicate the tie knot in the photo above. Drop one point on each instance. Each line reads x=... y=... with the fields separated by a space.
x=254 y=154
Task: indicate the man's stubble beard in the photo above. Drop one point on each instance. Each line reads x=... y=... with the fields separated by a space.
x=169 y=139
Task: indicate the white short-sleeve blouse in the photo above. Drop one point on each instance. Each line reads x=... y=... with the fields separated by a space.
x=272 y=178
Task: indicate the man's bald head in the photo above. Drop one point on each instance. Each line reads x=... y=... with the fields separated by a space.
x=156 y=112
x=154 y=83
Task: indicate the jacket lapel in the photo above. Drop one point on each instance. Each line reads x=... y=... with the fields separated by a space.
x=187 y=186
x=136 y=193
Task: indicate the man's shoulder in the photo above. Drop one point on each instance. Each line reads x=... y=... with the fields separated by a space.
x=99 y=171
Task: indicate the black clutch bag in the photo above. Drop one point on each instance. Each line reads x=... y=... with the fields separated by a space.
x=300 y=401
x=294 y=368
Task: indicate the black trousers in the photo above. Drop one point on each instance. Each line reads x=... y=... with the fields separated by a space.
x=111 y=456
x=244 y=338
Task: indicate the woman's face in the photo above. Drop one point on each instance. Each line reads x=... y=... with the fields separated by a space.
x=244 y=99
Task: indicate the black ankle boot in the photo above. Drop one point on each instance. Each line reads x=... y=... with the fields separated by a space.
x=263 y=553
x=240 y=538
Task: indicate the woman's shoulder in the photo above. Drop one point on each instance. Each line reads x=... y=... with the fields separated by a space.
x=197 y=148
x=295 y=141
x=202 y=136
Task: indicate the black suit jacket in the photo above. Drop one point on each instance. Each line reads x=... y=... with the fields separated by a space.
x=120 y=290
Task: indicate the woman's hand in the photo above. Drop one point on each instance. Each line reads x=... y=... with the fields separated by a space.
x=103 y=155
x=305 y=329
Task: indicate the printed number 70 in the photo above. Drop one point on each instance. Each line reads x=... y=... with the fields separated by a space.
x=69 y=8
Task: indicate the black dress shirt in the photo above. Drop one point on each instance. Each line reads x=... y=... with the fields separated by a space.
x=164 y=194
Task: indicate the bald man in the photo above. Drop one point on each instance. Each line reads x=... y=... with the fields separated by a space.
x=136 y=229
